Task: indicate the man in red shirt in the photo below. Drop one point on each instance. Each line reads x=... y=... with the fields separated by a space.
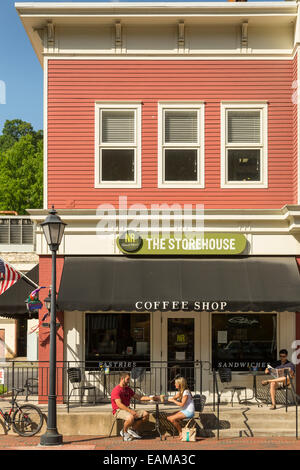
x=120 y=401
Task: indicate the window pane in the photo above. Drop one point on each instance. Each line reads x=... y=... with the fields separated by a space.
x=242 y=341
x=244 y=165
x=181 y=165
x=118 y=126
x=117 y=337
x=243 y=126
x=181 y=126
x=117 y=165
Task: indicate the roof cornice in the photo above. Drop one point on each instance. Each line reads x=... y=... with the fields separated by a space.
x=37 y=17
x=38 y=7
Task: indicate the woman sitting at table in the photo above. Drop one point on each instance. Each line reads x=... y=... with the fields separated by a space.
x=183 y=399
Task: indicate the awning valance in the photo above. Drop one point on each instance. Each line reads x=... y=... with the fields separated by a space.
x=118 y=283
x=12 y=301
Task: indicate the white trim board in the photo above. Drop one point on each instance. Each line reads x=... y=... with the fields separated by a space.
x=298 y=123
x=45 y=175
x=289 y=55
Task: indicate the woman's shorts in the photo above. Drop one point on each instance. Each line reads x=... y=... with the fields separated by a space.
x=188 y=414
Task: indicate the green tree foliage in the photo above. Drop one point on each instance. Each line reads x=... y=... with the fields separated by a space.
x=6 y=141
x=21 y=167
x=17 y=128
x=14 y=130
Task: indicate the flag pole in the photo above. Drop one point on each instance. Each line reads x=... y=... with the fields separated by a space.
x=29 y=281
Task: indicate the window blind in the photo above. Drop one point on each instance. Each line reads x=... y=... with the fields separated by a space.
x=243 y=126
x=27 y=231
x=15 y=231
x=181 y=127
x=118 y=126
x=4 y=231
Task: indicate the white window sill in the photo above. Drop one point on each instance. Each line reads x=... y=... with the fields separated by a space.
x=117 y=185
x=244 y=185
x=20 y=248
x=181 y=185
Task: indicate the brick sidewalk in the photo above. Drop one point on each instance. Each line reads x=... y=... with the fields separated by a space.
x=116 y=444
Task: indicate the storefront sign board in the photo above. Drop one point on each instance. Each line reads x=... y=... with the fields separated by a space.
x=131 y=242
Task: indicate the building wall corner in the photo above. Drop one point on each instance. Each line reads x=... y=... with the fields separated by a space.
x=45 y=267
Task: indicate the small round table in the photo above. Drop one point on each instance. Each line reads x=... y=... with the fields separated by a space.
x=158 y=416
x=254 y=374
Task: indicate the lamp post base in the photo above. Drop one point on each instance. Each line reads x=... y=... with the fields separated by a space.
x=51 y=438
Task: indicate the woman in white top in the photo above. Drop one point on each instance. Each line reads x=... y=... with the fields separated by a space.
x=183 y=399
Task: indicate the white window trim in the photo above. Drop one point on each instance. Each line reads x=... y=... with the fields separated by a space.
x=199 y=106
x=115 y=105
x=247 y=105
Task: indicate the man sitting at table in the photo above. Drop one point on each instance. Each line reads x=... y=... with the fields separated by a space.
x=284 y=363
x=120 y=401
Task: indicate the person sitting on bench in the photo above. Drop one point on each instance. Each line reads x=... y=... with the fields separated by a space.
x=185 y=401
x=284 y=363
x=120 y=401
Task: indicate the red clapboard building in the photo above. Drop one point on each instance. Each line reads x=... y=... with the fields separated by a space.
x=158 y=117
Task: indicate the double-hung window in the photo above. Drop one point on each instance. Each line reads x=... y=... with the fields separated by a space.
x=181 y=145
x=244 y=145
x=118 y=145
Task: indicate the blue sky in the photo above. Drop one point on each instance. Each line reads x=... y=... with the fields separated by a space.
x=20 y=70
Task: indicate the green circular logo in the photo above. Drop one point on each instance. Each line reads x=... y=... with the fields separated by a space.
x=130 y=241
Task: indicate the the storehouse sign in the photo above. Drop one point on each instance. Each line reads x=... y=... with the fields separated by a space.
x=203 y=244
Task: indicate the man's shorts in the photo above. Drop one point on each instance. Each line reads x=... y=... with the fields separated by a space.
x=123 y=414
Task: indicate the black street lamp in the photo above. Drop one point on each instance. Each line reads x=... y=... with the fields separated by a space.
x=47 y=301
x=53 y=229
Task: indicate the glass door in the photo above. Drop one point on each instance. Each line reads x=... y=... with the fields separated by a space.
x=181 y=351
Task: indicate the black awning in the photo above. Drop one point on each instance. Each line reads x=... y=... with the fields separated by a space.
x=117 y=283
x=12 y=301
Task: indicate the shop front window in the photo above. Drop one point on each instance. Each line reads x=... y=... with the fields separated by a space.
x=118 y=339
x=244 y=341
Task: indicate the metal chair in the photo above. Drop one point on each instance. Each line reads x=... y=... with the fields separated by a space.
x=31 y=387
x=226 y=377
x=74 y=376
x=115 y=417
x=263 y=393
x=137 y=374
x=199 y=402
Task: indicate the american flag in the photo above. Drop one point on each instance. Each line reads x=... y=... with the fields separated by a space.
x=8 y=276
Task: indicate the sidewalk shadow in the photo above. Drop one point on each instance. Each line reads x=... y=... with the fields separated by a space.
x=72 y=441
x=210 y=424
x=5 y=430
